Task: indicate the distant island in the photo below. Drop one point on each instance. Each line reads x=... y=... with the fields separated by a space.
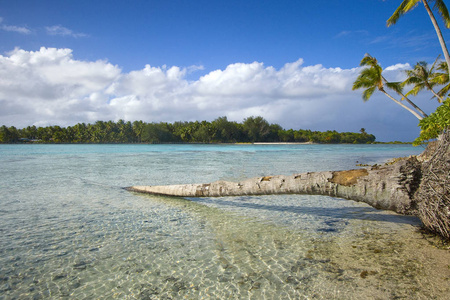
x=251 y=130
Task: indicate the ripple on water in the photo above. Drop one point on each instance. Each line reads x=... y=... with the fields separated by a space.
x=71 y=233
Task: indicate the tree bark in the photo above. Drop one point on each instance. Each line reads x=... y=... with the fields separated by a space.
x=388 y=187
x=439 y=33
x=402 y=105
x=439 y=98
x=416 y=185
x=407 y=99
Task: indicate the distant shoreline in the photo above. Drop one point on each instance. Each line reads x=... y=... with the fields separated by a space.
x=284 y=143
x=25 y=141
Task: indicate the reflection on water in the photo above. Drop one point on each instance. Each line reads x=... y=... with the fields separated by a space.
x=68 y=231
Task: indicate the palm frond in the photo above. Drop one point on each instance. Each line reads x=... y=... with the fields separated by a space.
x=368 y=93
x=443 y=11
x=411 y=5
x=368 y=77
x=395 y=86
x=368 y=60
x=444 y=91
x=442 y=66
x=404 y=7
x=415 y=90
x=434 y=64
x=440 y=78
x=411 y=79
x=422 y=77
x=363 y=81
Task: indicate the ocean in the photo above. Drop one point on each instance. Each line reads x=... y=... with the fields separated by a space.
x=69 y=230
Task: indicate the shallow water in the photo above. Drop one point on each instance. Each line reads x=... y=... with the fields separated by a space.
x=69 y=230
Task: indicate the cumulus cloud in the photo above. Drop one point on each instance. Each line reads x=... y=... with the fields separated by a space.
x=50 y=86
x=397 y=67
x=63 y=31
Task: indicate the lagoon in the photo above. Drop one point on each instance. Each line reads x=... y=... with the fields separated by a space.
x=69 y=230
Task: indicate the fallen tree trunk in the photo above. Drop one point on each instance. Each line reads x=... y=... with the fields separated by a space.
x=408 y=186
x=388 y=187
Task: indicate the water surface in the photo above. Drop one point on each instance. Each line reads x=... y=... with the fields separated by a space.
x=69 y=230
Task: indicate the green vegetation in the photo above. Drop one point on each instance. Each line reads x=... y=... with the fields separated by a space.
x=372 y=79
x=431 y=198
x=421 y=77
x=439 y=5
x=435 y=124
x=252 y=129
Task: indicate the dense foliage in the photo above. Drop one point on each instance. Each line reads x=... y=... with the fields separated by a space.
x=435 y=124
x=252 y=129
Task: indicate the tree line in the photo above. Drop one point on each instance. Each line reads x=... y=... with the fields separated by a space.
x=221 y=130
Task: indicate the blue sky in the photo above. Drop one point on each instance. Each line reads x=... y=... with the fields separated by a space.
x=292 y=62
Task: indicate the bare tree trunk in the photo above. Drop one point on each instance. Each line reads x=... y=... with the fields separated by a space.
x=439 y=34
x=407 y=99
x=402 y=105
x=439 y=98
x=388 y=187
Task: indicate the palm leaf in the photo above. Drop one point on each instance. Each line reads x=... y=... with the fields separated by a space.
x=410 y=5
x=443 y=11
x=395 y=86
x=404 y=7
x=368 y=60
x=440 y=78
x=368 y=93
x=444 y=91
x=415 y=90
x=411 y=80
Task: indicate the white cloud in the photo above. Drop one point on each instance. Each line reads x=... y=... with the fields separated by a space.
x=401 y=67
x=12 y=28
x=63 y=31
x=17 y=29
x=49 y=87
x=347 y=33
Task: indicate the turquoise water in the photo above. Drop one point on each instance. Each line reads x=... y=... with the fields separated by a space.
x=68 y=229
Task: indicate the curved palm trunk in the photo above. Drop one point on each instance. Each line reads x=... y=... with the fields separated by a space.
x=414 y=105
x=407 y=99
x=402 y=105
x=440 y=100
x=439 y=33
x=390 y=187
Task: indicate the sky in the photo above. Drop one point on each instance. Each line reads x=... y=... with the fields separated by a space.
x=292 y=62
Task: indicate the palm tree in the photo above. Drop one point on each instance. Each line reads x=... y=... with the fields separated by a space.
x=422 y=77
x=442 y=79
x=368 y=60
x=371 y=79
x=408 y=5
